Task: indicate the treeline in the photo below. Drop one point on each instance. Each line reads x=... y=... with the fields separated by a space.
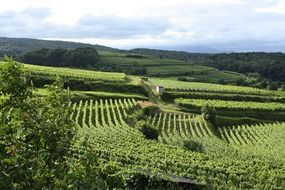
x=80 y=57
x=16 y=47
x=268 y=65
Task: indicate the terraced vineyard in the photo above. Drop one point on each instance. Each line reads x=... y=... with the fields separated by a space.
x=171 y=95
x=249 y=135
x=101 y=113
x=262 y=139
x=174 y=128
x=173 y=85
x=211 y=150
x=231 y=105
x=75 y=73
x=102 y=124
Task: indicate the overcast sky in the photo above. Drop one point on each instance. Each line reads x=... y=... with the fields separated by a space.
x=224 y=25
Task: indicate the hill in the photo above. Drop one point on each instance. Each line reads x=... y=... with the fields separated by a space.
x=242 y=148
x=269 y=66
x=18 y=46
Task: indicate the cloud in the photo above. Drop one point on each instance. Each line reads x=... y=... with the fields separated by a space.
x=277 y=8
x=33 y=22
x=149 y=23
x=118 y=27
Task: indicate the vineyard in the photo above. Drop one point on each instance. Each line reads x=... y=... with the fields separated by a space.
x=266 y=140
x=231 y=105
x=75 y=73
x=171 y=95
x=102 y=123
x=174 y=128
x=173 y=85
x=124 y=132
x=102 y=113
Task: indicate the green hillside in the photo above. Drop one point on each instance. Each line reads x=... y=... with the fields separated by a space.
x=167 y=68
x=17 y=46
x=190 y=135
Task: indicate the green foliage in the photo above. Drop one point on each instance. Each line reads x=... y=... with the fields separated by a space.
x=171 y=95
x=140 y=121
x=35 y=134
x=18 y=46
x=172 y=85
x=192 y=145
x=14 y=83
x=268 y=65
x=78 y=74
x=151 y=110
x=209 y=113
x=272 y=86
x=80 y=57
x=231 y=105
x=149 y=131
x=49 y=57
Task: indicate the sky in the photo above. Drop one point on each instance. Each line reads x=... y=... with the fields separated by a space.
x=190 y=25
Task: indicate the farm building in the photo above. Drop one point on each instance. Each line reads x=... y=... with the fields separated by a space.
x=159 y=89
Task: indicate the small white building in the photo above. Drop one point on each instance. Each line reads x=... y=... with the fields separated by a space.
x=159 y=89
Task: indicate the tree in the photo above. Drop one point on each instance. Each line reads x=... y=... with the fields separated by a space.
x=38 y=57
x=272 y=86
x=35 y=134
x=192 y=145
x=209 y=113
x=82 y=57
x=55 y=57
x=147 y=129
x=14 y=82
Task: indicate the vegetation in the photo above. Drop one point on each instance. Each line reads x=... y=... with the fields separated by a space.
x=171 y=95
x=142 y=153
x=86 y=130
x=18 y=46
x=207 y=87
x=35 y=135
x=231 y=105
x=192 y=145
x=74 y=74
x=209 y=113
x=268 y=65
x=80 y=57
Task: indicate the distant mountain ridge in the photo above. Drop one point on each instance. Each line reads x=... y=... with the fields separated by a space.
x=18 y=46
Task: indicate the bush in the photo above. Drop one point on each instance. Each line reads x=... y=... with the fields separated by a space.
x=192 y=145
x=38 y=133
x=272 y=86
x=209 y=113
x=151 y=110
x=148 y=131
